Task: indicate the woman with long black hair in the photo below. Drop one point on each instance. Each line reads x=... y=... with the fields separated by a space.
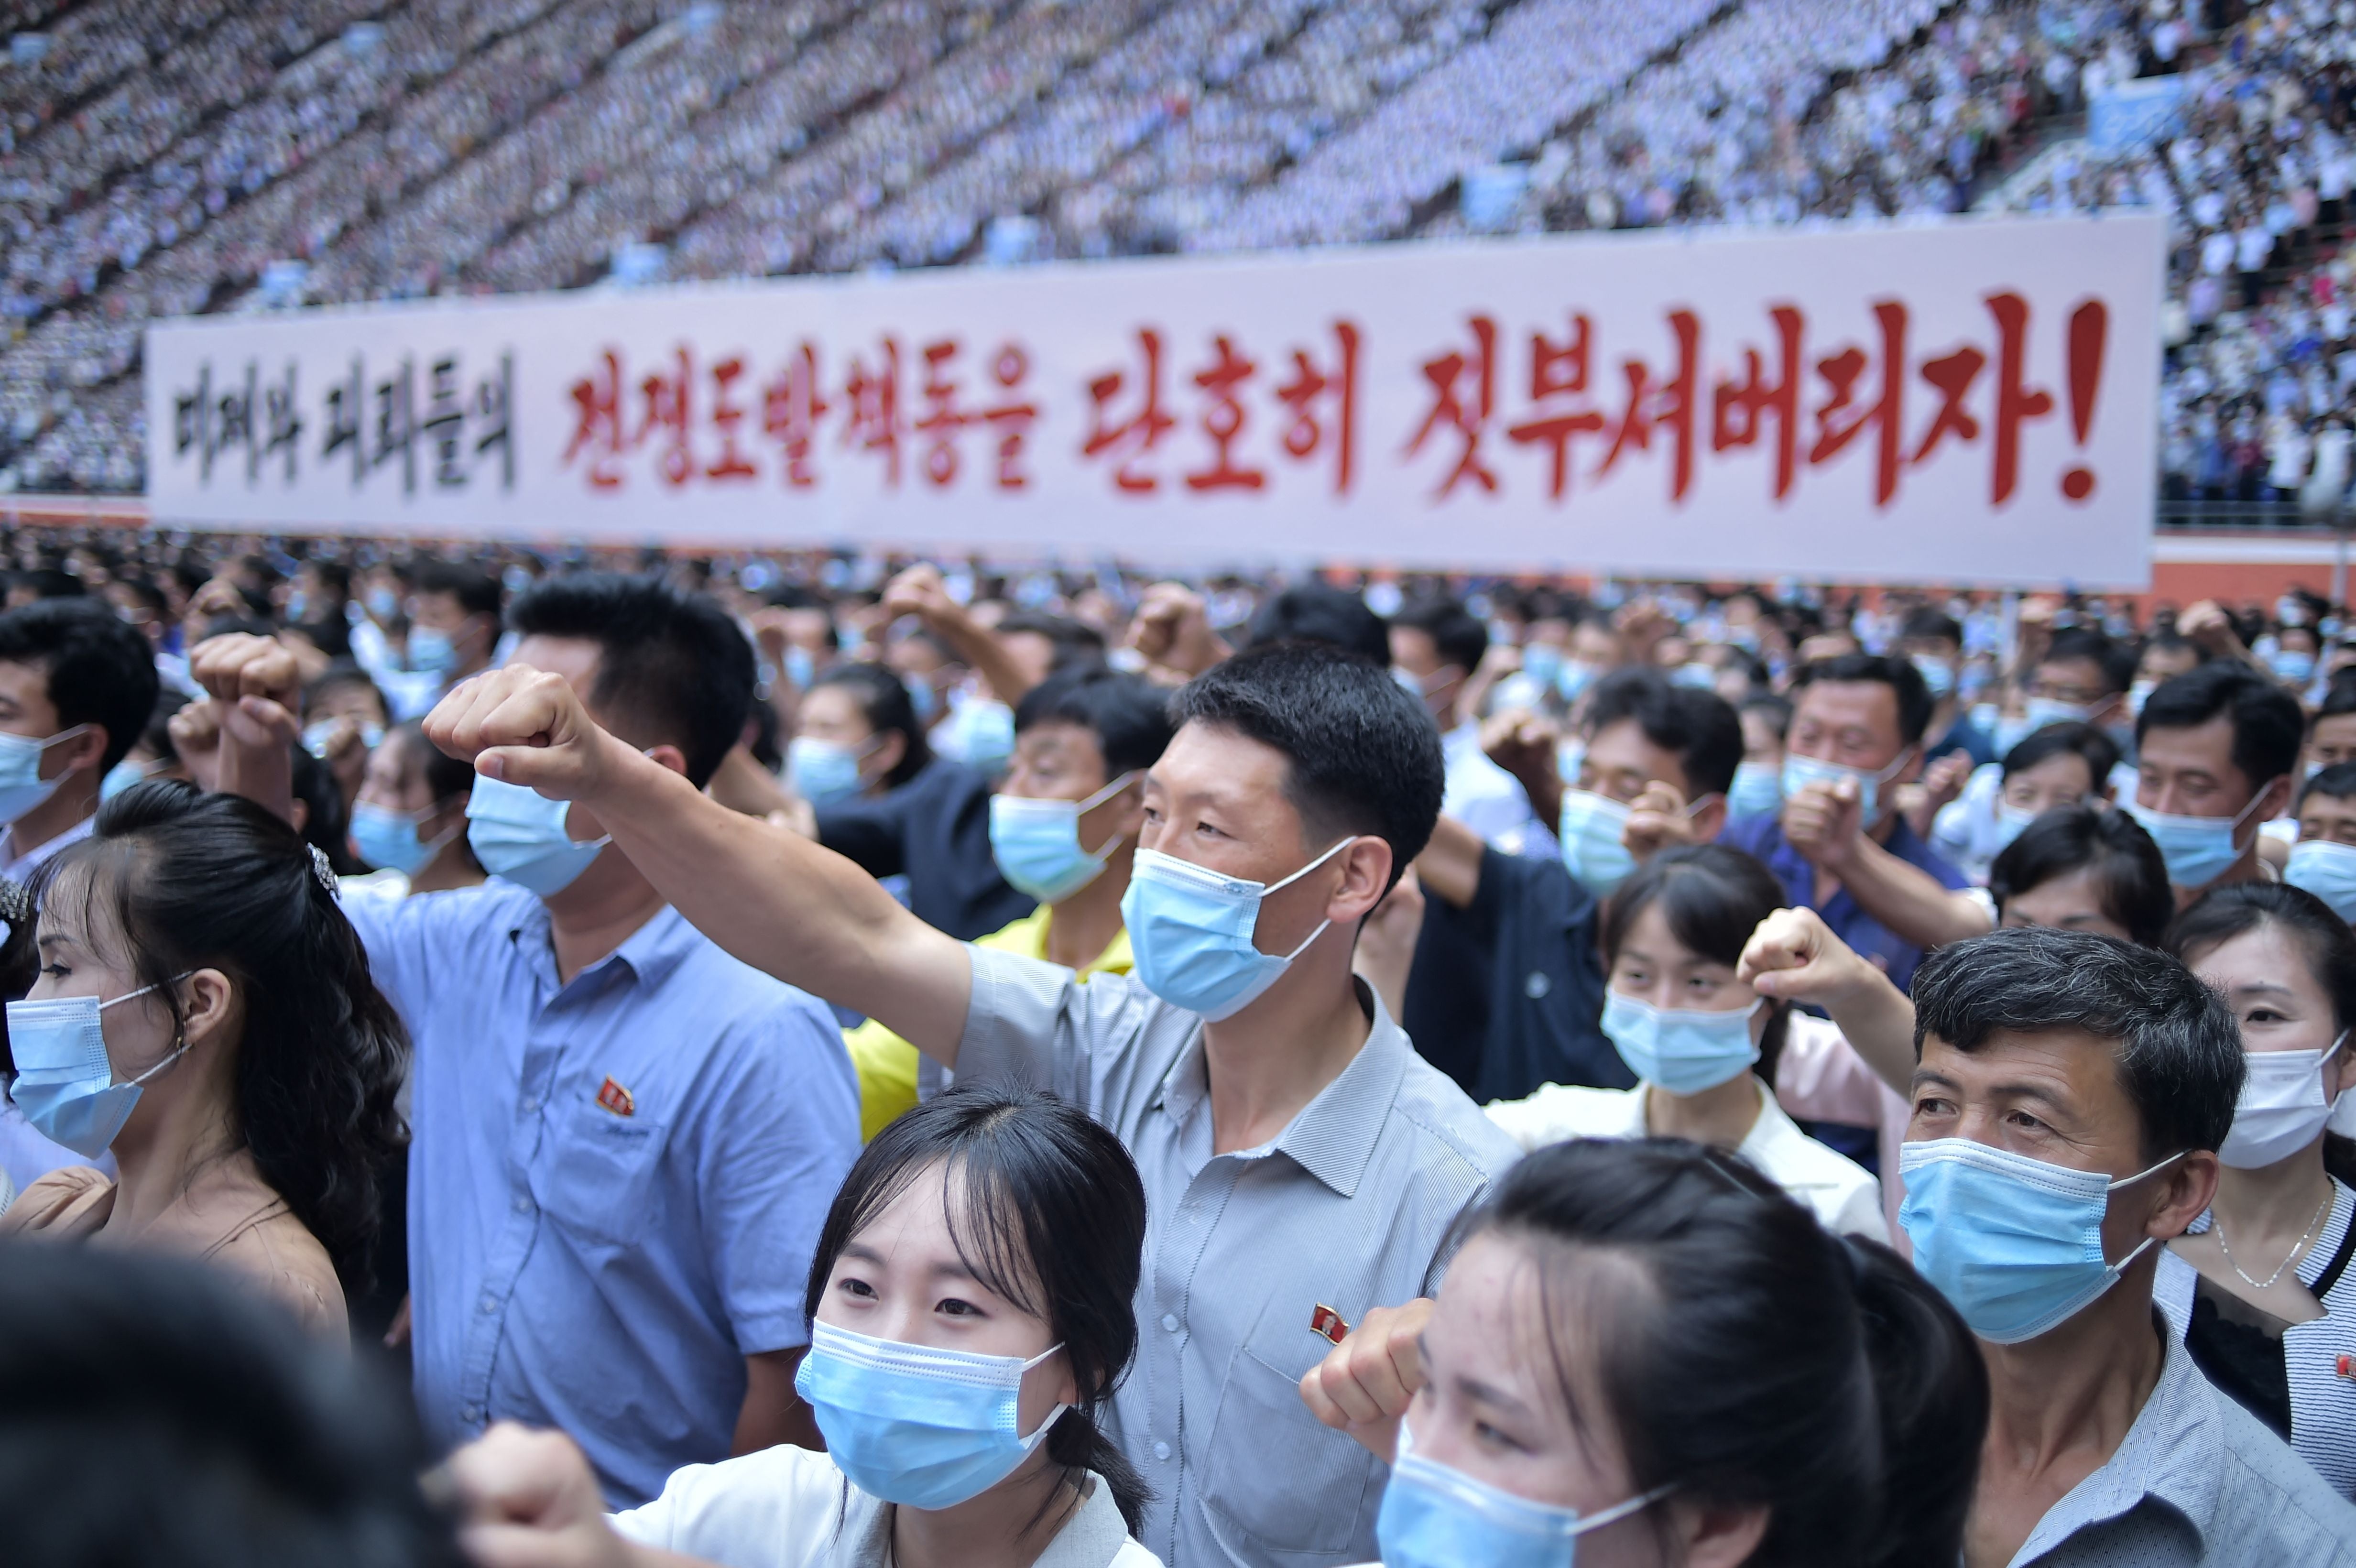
x=204 y=1011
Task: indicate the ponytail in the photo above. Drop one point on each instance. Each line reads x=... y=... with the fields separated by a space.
x=1931 y=1393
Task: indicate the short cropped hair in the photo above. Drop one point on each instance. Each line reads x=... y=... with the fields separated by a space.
x=1914 y=699
x=2100 y=752
x=2268 y=729
x=2130 y=878
x=99 y=669
x=1364 y=754
x=2337 y=782
x=1929 y=625
x=1315 y=612
x=478 y=592
x=671 y=666
x=2114 y=663
x=1129 y=715
x=2179 y=1049
x=1700 y=727
x=1456 y=634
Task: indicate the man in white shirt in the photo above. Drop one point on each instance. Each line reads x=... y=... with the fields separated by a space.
x=1436 y=644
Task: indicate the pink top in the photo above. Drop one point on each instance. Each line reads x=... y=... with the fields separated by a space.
x=1821 y=1078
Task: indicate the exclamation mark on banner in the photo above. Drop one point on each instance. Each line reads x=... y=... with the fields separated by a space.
x=2089 y=324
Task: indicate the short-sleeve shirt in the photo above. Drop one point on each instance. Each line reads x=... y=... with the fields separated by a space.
x=1763 y=836
x=1506 y=994
x=1350 y=1208
x=2196 y=1482
x=615 y=1183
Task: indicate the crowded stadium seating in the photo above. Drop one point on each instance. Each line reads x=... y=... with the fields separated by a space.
x=159 y=157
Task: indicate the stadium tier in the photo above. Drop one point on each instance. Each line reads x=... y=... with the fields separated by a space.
x=164 y=157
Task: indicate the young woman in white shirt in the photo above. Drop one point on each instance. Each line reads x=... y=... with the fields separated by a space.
x=1645 y=1356
x=971 y=1303
x=1701 y=1041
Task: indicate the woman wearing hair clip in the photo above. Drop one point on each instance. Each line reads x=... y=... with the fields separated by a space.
x=970 y=1307
x=204 y=1011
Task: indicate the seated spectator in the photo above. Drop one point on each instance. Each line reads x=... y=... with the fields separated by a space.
x=245 y=1082
x=1702 y=1044
x=955 y=1429
x=1647 y=1353
x=252 y=1444
x=894 y=809
x=2070 y=1095
x=1063 y=830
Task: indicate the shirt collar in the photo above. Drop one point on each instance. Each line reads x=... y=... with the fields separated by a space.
x=1334 y=1136
x=651 y=953
x=2173 y=1453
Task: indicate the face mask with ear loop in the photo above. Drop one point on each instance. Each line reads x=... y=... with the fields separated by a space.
x=65 y=1083
x=1190 y=929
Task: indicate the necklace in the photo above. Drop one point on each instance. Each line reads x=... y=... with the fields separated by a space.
x=2217 y=1226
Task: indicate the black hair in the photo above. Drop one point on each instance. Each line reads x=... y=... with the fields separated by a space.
x=343 y=675
x=1713 y=897
x=190 y=880
x=2100 y=752
x=478 y=592
x=2338 y=693
x=1052 y=1218
x=1931 y=625
x=255 y=1445
x=1314 y=613
x=1915 y=700
x=1752 y=1359
x=1700 y=727
x=2180 y=1051
x=883 y=701
x=2268 y=729
x=1362 y=754
x=1778 y=711
x=1071 y=643
x=327 y=814
x=2125 y=863
x=1129 y=715
x=2337 y=782
x=2172 y=642
x=2113 y=663
x=157 y=736
x=2236 y=909
x=100 y=670
x=1456 y=634
x=670 y=667
x=333 y=576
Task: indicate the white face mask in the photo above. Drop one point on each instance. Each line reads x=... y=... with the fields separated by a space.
x=2283 y=1107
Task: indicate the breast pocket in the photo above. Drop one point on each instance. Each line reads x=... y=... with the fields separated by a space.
x=598 y=1178
x=1276 y=1475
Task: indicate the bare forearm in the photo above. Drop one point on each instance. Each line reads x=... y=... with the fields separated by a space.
x=1450 y=866
x=261 y=772
x=978 y=647
x=786 y=904
x=1909 y=901
x=1878 y=1020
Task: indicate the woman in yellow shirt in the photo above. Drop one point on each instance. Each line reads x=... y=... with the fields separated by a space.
x=1062 y=828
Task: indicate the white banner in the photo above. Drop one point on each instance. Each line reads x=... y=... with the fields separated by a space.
x=1970 y=402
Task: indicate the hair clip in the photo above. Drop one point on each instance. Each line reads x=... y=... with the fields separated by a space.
x=324 y=872
x=16 y=903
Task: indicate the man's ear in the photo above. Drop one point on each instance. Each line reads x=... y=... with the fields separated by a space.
x=1709 y=818
x=85 y=750
x=1365 y=878
x=669 y=756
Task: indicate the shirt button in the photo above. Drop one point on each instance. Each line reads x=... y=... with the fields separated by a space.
x=1170 y=1321
x=472 y=1413
x=489 y=1304
x=522 y=1204
x=1536 y=986
x=528 y=1104
x=1161 y=1450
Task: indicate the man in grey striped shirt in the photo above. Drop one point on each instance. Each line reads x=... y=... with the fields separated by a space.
x=1301 y=1163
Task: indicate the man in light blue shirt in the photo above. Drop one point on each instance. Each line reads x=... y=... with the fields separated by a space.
x=625 y=1140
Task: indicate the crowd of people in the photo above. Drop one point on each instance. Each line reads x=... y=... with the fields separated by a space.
x=157 y=161
x=800 y=1058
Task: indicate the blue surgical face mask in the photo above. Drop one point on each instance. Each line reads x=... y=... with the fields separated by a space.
x=1191 y=929
x=1036 y=843
x=1590 y=837
x=923 y=699
x=1800 y=772
x=980 y=734
x=2015 y=1244
x=1683 y=1050
x=1434 y=1516
x=518 y=835
x=2293 y=668
x=65 y=1085
x=824 y=771
x=1575 y=677
x=122 y=776
x=1937 y=674
x=319 y=732
x=801 y=668
x=914 y=1425
x=431 y=650
x=1542 y=662
x=22 y=787
x=2139 y=694
x=2328 y=870
x=383 y=603
x=388 y=839
x=2010 y=822
x=2197 y=850
x=1757 y=789
x=2040 y=711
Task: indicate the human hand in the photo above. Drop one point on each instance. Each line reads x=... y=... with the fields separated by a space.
x=1944 y=779
x=1363 y=1385
x=525 y=727
x=1824 y=821
x=1795 y=956
x=529 y=1499
x=1171 y=631
x=2207 y=626
x=1657 y=818
x=195 y=734
x=922 y=591
x=239 y=664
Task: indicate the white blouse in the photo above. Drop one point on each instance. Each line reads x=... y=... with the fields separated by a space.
x=790 y=1508
x=1842 y=1193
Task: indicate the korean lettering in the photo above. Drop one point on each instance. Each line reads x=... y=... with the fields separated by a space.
x=1301 y=393
x=396 y=425
x=1132 y=439
x=1463 y=395
x=345 y=405
x=791 y=407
